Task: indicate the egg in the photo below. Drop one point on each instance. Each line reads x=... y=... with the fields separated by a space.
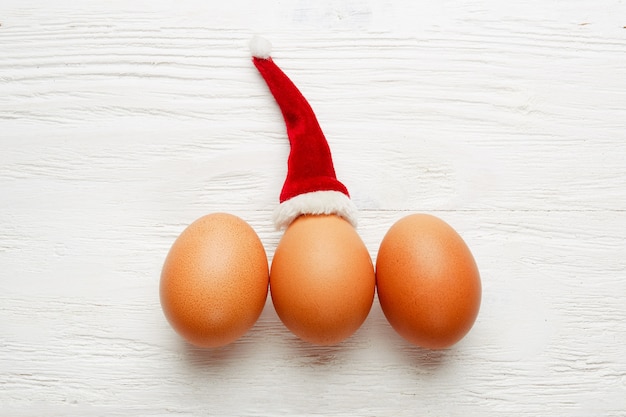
x=214 y=281
x=322 y=280
x=428 y=283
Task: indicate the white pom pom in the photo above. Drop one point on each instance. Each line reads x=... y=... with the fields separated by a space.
x=260 y=47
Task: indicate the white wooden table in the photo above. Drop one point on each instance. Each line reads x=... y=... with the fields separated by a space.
x=122 y=122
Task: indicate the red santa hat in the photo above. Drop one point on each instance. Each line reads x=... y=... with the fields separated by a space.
x=311 y=186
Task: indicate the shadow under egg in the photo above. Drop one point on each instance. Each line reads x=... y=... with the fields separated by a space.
x=319 y=356
x=384 y=338
x=427 y=360
x=222 y=356
x=212 y=357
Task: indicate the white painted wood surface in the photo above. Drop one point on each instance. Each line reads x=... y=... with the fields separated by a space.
x=122 y=122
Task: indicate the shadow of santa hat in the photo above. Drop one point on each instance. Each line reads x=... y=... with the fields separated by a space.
x=311 y=186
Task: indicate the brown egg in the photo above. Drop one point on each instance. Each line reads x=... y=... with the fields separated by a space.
x=322 y=280
x=214 y=282
x=428 y=283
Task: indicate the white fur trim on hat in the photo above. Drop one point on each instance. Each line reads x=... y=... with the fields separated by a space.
x=316 y=202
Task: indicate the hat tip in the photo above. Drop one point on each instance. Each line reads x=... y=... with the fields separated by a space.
x=260 y=47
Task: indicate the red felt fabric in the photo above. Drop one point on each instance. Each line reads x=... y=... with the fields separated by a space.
x=310 y=165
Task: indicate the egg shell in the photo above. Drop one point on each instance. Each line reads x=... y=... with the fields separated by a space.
x=214 y=281
x=322 y=280
x=428 y=283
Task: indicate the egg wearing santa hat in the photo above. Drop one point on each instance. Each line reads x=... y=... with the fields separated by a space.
x=322 y=279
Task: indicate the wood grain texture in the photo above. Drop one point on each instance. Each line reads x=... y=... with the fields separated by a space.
x=122 y=122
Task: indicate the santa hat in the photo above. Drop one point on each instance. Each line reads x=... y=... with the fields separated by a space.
x=311 y=186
